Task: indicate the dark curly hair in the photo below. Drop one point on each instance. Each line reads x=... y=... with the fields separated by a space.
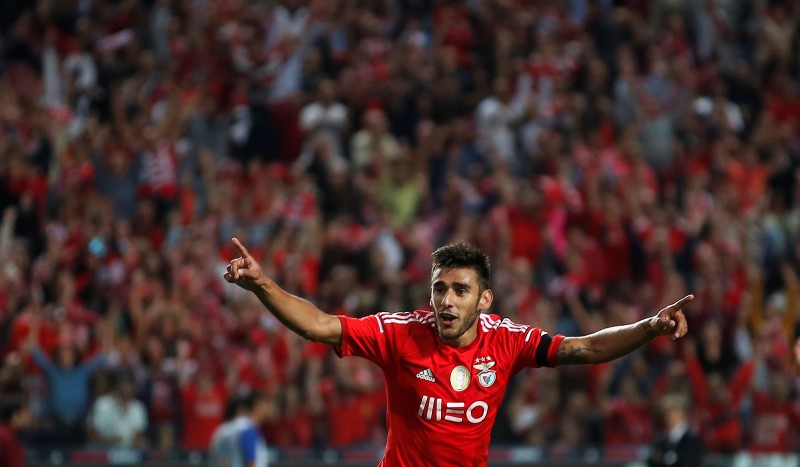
x=463 y=255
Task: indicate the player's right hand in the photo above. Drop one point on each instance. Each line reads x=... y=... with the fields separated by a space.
x=244 y=271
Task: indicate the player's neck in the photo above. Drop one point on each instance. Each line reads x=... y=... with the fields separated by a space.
x=464 y=340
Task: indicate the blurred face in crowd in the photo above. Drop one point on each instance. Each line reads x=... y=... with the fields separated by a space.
x=375 y=121
x=712 y=342
x=674 y=410
x=457 y=299
x=263 y=410
x=779 y=387
x=717 y=389
x=155 y=350
x=673 y=417
x=67 y=356
x=126 y=390
x=629 y=389
x=23 y=418
x=118 y=162
x=400 y=168
x=327 y=91
x=205 y=383
x=502 y=88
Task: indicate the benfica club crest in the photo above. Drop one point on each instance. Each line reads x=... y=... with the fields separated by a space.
x=487 y=376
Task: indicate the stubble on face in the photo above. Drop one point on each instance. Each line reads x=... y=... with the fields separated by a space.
x=467 y=320
x=465 y=309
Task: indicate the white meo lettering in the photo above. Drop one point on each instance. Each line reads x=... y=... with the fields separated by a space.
x=430 y=408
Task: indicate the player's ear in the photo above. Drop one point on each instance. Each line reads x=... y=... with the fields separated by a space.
x=486 y=299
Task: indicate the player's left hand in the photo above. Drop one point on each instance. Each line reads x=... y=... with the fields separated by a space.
x=671 y=320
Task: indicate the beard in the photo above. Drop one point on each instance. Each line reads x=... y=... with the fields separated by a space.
x=462 y=324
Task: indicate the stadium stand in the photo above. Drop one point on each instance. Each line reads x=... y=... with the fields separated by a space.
x=609 y=155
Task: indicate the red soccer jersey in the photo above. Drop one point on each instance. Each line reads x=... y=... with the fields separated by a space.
x=203 y=412
x=442 y=401
x=775 y=425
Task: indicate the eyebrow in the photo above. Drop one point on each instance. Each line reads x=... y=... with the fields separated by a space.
x=453 y=285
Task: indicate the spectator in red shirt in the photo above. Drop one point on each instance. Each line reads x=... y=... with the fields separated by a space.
x=523 y=221
x=629 y=416
x=15 y=415
x=203 y=401
x=717 y=402
x=295 y=419
x=776 y=417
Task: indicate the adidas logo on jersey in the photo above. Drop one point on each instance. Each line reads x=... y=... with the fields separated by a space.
x=427 y=375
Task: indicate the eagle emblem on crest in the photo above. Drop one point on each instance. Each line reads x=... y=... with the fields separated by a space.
x=486 y=376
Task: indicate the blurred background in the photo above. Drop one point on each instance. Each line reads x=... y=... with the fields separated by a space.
x=609 y=155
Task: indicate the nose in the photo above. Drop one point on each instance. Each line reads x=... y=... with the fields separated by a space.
x=445 y=301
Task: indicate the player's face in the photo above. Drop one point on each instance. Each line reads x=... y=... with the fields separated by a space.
x=457 y=301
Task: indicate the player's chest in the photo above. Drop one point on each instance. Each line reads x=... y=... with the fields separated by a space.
x=474 y=373
x=451 y=386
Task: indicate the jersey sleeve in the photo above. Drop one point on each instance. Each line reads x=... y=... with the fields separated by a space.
x=537 y=348
x=365 y=337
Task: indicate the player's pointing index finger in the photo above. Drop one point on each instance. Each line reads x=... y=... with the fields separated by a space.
x=680 y=303
x=242 y=250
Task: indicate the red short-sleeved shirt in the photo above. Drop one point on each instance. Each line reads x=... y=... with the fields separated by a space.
x=442 y=401
x=203 y=412
x=12 y=453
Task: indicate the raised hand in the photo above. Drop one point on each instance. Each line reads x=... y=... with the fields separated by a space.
x=244 y=271
x=671 y=320
x=296 y=313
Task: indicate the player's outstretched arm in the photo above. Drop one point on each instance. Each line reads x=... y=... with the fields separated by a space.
x=296 y=313
x=614 y=342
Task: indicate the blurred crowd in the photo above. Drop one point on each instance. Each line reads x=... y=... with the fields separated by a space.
x=609 y=155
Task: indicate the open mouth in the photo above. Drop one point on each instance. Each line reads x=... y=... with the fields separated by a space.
x=447 y=318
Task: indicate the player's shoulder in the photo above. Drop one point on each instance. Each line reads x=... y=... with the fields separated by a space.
x=497 y=326
x=410 y=319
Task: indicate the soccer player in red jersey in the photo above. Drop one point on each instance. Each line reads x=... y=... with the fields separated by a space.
x=446 y=370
